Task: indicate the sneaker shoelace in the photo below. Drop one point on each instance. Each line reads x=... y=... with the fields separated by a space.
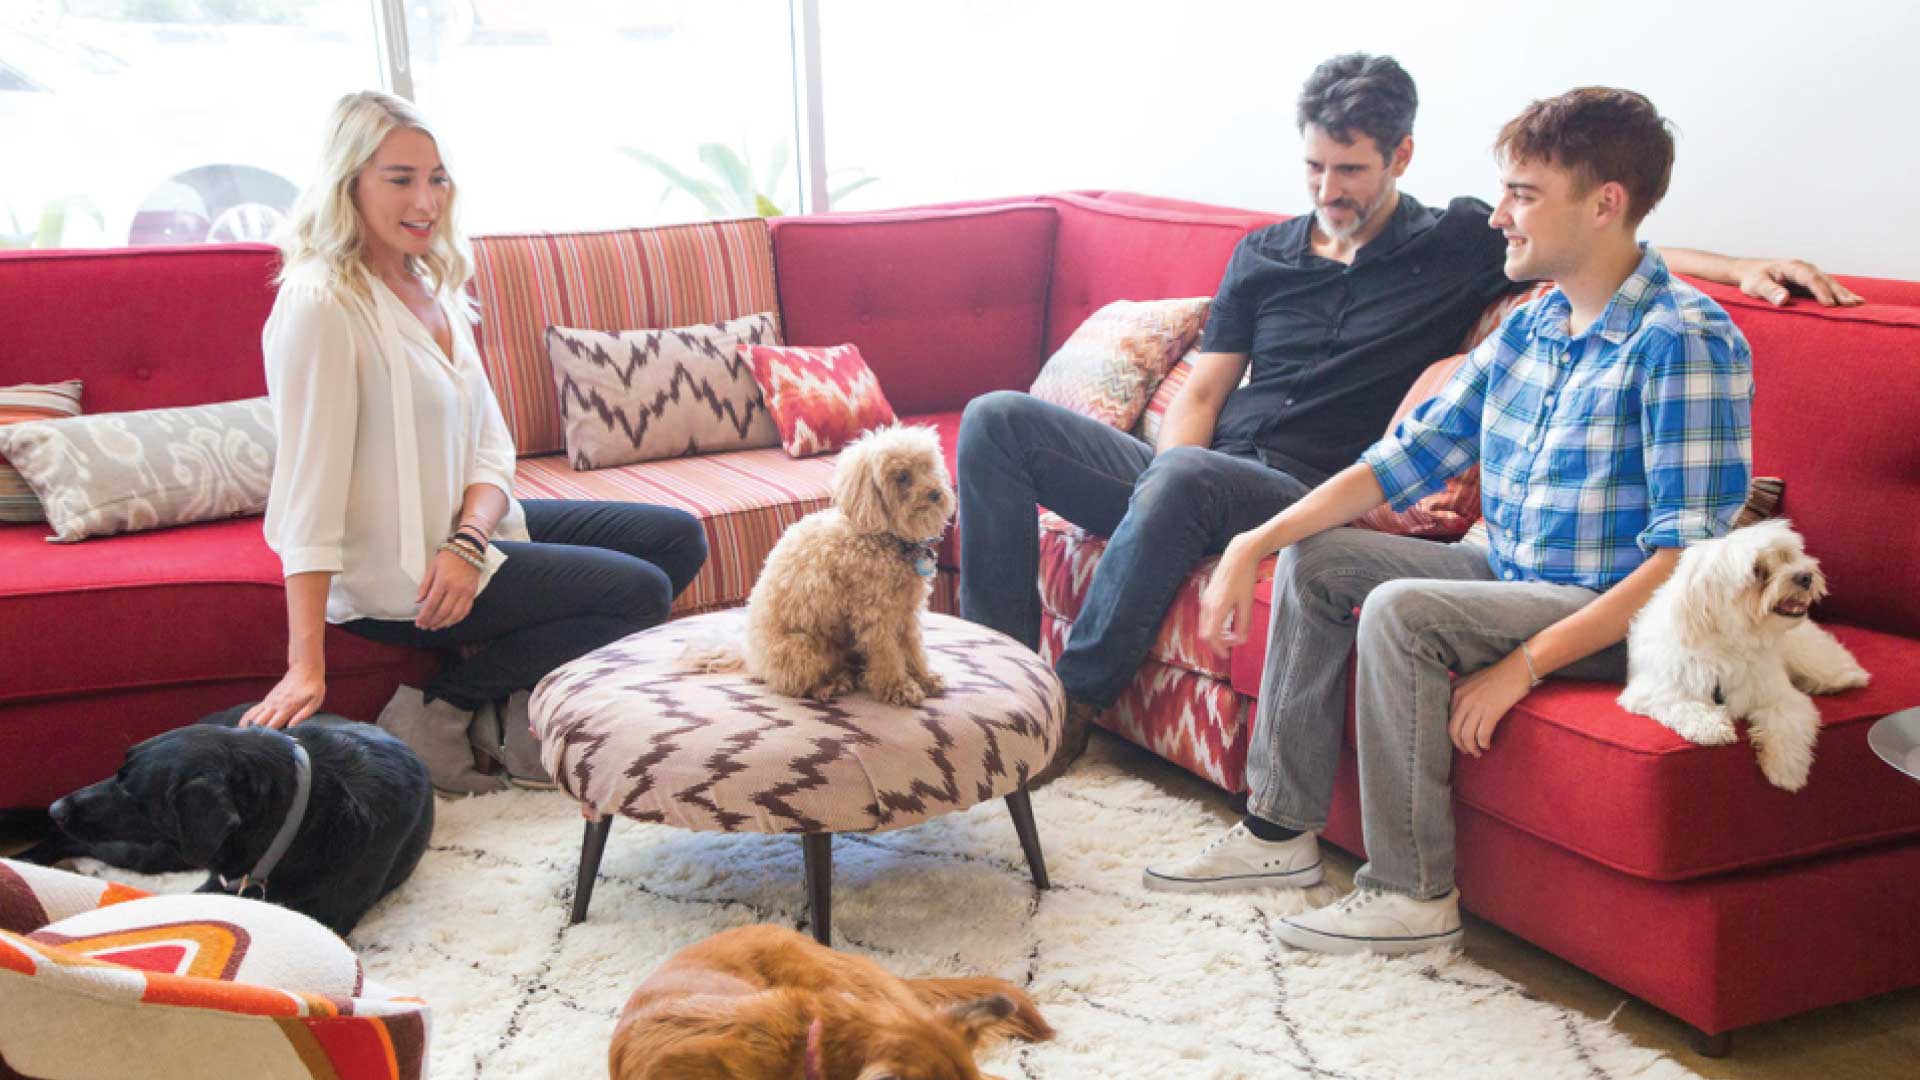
x=1356 y=900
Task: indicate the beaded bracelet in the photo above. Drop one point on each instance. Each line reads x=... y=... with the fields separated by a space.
x=464 y=556
x=469 y=542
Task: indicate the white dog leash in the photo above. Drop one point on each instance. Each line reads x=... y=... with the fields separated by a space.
x=282 y=840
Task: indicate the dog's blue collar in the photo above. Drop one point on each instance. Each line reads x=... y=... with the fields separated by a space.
x=256 y=878
x=920 y=553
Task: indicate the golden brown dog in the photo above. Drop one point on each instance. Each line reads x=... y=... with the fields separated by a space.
x=838 y=603
x=766 y=1003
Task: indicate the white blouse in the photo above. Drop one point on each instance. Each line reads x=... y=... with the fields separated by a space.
x=379 y=438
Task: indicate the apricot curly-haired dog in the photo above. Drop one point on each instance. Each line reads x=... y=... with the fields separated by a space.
x=838 y=603
x=766 y=1003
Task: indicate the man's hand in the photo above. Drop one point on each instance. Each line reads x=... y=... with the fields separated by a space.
x=1226 y=604
x=295 y=697
x=1773 y=280
x=447 y=592
x=1481 y=699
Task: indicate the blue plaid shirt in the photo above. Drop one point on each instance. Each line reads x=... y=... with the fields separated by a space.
x=1597 y=449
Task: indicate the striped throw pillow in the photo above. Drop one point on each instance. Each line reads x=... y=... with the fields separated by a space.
x=31 y=402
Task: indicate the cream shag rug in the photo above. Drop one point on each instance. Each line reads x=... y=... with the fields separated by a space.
x=1138 y=984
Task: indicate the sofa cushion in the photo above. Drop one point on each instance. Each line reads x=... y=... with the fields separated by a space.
x=1836 y=391
x=945 y=305
x=1672 y=810
x=182 y=326
x=744 y=500
x=821 y=398
x=149 y=469
x=1446 y=513
x=200 y=603
x=638 y=395
x=1111 y=364
x=622 y=279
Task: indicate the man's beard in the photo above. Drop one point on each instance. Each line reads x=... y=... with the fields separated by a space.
x=1360 y=217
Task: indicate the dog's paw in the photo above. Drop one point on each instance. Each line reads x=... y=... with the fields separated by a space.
x=933 y=685
x=1784 y=763
x=905 y=692
x=1698 y=723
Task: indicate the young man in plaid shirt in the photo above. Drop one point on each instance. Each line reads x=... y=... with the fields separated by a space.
x=1610 y=422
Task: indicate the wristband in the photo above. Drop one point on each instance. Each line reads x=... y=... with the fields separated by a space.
x=1526 y=655
x=468 y=541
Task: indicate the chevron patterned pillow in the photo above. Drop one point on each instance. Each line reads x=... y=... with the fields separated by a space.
x=1111 y=364
x=639 y=395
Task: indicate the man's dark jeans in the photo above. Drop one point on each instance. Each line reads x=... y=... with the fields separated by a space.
x=1162 y=513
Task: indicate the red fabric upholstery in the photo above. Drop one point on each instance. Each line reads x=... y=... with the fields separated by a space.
x=1109 y=250
x=943 y=306
x=182 y=326
x=181 y=605
x=1836 y=414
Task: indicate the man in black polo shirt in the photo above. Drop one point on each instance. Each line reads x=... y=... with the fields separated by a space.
x=1338 y=311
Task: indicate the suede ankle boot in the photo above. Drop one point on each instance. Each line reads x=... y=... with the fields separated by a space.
x=503 y=731
x=438 y=733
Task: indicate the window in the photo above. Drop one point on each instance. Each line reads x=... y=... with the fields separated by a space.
x=167 y=121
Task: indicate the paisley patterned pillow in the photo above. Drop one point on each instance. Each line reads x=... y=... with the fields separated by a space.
x=1111 y=364
x=126 y=472
x=821 y=398
x=639 y=395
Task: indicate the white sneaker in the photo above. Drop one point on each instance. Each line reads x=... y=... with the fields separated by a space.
x=1237 y=859
x=1374 y=920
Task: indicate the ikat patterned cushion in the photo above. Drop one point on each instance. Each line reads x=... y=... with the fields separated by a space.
x=641 y=395
x=821 y=398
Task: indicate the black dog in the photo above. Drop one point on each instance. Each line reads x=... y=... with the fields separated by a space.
x=215 y=797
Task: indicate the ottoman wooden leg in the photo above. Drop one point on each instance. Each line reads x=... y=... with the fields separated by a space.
x=818 y=849
x=591 y=847
x=1021 y=807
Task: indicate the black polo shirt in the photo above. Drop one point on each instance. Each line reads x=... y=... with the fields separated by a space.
x=1335 y=347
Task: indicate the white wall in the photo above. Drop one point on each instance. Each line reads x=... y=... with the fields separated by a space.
x=1797 y=122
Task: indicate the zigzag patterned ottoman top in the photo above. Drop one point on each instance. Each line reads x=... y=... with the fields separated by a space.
x=628 y=729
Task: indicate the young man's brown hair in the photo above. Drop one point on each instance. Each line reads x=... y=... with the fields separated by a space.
x=1598 y=134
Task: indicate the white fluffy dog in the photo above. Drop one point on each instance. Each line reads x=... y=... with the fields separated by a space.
x=1727 y=638
x=838 y=603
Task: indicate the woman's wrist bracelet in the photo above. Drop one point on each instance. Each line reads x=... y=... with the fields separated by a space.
x=460 y=551
x=469 y=541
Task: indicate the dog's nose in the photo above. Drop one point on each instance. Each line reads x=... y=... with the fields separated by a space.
x=1804 y=580
x=58 y=811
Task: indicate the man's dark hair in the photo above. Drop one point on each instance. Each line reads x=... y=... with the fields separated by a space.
x=1372 y=95
x=1598 y=134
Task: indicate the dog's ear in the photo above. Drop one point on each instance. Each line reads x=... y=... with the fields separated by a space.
x=1711 y=582
x=858 y=487
x=974 y=1018
x=203 y=818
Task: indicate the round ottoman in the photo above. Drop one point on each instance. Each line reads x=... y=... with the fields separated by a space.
x=630 y=730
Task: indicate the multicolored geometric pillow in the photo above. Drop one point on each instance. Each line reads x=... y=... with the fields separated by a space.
x=30 y=401
x=821 y=398
x=124 y=472
x=213 y=936
x=640 y=395
x=1155 y=414
x=1448 y=513
x=1111 y=364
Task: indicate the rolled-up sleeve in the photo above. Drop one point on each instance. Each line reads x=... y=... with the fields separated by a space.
x=494 y=454
x=1696 y=430
x=313 y=387
x=1440 y=438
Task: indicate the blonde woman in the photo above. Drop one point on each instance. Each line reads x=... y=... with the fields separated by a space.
x=391 y=506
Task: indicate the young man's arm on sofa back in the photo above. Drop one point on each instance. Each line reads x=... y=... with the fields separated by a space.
x=1191 y=416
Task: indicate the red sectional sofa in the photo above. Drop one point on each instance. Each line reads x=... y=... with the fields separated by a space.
x=1671 y=870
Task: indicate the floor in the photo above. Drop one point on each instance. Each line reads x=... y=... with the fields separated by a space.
x=1869 y=1040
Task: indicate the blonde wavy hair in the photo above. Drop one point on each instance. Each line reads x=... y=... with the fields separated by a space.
x=324 y=232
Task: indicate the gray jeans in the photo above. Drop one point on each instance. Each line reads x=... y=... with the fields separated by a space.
x=1425 y=610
